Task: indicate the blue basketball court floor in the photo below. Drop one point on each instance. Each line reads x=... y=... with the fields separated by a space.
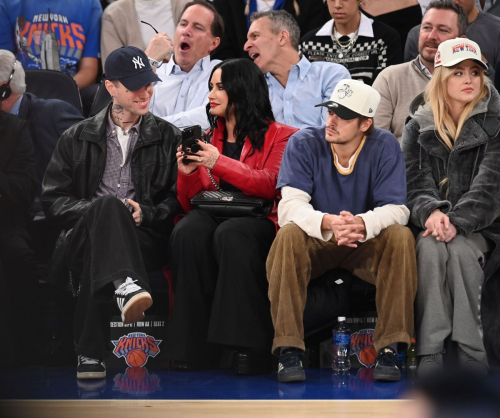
x=48 y=383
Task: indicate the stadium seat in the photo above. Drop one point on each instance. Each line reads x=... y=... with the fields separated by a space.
x=50 y=84
x=101 y=100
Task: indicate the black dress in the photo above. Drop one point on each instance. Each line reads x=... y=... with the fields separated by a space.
x=402 y=20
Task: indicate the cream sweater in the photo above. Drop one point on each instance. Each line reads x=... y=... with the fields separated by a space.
x=398 y=85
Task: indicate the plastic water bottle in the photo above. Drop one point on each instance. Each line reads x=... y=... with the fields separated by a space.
x=341 y=342
x=412 y=356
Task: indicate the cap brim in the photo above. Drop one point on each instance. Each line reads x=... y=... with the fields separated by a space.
x=459 y=60
x=138 y=81
x=341 y=111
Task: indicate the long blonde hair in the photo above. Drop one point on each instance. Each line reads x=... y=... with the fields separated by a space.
x=437 y=98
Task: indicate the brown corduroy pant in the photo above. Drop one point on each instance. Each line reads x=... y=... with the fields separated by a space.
x=387 y=261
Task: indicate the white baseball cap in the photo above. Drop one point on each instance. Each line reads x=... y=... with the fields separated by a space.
x=453 y=51
x=353 y=98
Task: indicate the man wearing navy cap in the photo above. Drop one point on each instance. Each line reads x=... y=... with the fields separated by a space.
x=343 y=206
x=110 y=186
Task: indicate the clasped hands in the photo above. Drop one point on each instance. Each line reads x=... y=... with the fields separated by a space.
x=347 y=228
x=439 y=226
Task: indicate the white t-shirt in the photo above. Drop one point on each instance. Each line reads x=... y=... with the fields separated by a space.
x=159 y=14
x=263 y=6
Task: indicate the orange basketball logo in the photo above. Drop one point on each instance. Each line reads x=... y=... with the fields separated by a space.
x=136 y=358
x=362 y=347
x=136 y=348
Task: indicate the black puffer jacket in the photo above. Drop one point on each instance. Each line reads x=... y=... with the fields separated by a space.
x=78 y=163
x=473 y=201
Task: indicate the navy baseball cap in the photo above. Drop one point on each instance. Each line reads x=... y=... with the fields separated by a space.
x=130 y=66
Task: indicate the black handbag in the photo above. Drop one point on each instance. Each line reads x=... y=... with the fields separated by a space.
x=226 y=205
x=231 y=204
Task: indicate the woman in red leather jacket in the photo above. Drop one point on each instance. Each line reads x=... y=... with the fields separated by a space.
x=218 y=266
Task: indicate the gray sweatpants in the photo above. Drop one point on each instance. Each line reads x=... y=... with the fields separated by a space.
x=450 y=277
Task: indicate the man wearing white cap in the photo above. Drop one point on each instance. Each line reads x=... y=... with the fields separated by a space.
x=344 y=196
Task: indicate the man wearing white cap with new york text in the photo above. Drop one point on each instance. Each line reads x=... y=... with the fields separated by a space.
x=343 y=205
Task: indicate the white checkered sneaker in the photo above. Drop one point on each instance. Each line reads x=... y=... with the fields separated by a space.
x=132 y=300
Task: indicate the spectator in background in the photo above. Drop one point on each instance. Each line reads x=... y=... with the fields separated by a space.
x=483 y=28
x=65 y=40
x=295 y=83
x=309 y=14
x=47 y=119
x=121 y=22
x=399 y=84
x=17 y=192
x=452 y=151
x=424 y=4
x=364 y=46
x=182 y=96
x=401 y=15
x=110 y=189
x=218 y=265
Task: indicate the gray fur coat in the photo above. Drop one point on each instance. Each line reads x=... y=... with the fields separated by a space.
x=473 y=200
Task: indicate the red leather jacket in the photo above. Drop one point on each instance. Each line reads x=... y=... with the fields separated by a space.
x=255 y=175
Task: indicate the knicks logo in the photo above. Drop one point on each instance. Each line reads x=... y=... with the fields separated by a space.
x=137 y=381
x=136 y=347
x=362 y=346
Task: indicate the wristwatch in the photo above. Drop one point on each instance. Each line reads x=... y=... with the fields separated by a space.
x=155 y=63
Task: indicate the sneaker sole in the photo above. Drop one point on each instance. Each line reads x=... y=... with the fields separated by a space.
x=387 y=376
x=292 y=377
x=91 y=375
x=134 y=310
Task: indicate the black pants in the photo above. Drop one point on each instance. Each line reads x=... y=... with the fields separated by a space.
x=106 y=245
x=220 y=285
x=21 y=280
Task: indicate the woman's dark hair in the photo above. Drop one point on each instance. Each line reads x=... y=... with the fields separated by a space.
x=248 y=96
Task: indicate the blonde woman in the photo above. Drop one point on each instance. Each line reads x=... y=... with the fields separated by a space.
x=452 y=153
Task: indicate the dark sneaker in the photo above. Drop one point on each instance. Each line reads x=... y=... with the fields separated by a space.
x=387 y=366
x=132 y=300
x=90 y=368
x=290 y=367
x=470 y=364
x=430 y=365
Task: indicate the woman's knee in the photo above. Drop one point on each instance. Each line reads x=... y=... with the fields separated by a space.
x=195 y=227
x=430 y=248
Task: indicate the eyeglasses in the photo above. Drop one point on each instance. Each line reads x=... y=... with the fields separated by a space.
x=149 y=24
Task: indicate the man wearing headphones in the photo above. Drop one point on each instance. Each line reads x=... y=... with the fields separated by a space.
x=47 y=119
x=17 y=191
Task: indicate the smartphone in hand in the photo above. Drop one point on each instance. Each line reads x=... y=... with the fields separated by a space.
x=190 y=137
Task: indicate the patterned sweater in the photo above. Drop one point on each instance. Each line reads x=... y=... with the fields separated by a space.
x=377 y=46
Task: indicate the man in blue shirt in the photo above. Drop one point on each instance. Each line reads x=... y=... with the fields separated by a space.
x=182 y=96
x=295 y=84
x=343 y=206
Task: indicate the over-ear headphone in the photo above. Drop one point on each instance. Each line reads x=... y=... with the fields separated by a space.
x=5 y=90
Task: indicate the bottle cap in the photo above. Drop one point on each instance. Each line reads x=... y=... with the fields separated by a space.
x=341 y=318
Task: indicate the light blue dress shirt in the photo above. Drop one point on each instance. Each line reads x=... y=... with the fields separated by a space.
x=308 y=84
x=181 y=97
x=14 y=110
